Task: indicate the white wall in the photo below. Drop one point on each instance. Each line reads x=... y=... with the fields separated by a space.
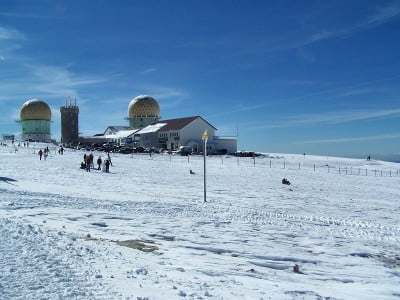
x=194 y=131
x=229 y=144
x=149 y=140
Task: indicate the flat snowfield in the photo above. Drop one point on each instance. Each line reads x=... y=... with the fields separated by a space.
x=143 y=231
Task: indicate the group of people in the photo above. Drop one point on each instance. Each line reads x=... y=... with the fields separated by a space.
x=26 y=144
x=88 y=160
x=88 y=163
x=44 y=153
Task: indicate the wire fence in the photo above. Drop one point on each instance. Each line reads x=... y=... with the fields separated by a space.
x=258 y=162
x=285 y=164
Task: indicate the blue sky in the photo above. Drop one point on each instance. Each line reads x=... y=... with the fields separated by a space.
x=319 y=77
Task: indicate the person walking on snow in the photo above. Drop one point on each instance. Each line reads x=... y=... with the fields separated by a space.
x=107 y=163
x=99 y=161
x=40 y=153
x=109 y=158
x=87 y=164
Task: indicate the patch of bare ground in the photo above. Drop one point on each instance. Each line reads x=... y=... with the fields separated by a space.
x=142 y=245
x=139 y=245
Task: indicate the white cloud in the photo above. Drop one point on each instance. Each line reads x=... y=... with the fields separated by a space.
x=149 y=70
x=336 y=92
x=332 y=118
x=240 y=109
x=350 y=139
x=162 y=93
x=169 y=97
x=55 y=77
x=55 y=114
x=45 y=81
x=381 y=16
x=10 y=34
x=26 y=15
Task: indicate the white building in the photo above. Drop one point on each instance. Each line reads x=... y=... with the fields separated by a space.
x=146 y=130
x=119 y=134
x=173 y=133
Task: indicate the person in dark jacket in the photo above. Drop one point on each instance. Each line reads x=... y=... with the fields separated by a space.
x=40 y=153
x=107 y=163
x=87 y=164
x=99 y=161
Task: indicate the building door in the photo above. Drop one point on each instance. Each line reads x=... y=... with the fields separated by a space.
x=172 y=146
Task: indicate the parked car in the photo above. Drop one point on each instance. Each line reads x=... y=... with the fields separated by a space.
x=124 y=150
x=184 y=150
x=138 y=149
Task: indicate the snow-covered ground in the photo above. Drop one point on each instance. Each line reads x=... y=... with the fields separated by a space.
x=143 y=231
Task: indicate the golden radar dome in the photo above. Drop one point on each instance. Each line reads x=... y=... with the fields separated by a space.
x=143 y=106
x=35 y=109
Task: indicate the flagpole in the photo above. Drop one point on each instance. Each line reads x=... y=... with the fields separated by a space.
x=205 y=138
x=205 y=183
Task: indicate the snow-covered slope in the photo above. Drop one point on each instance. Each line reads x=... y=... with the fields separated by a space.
x=64 y=231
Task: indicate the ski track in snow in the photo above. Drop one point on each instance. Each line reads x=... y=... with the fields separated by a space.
x=58 y=226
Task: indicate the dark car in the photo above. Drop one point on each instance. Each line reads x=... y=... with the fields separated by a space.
x=138 y=150
x=125 y=150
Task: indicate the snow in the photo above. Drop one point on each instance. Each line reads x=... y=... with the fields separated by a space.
x=121 y=134
x=152 y=128
x=143 y=231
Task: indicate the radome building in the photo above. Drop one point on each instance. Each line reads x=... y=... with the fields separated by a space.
x=35 y=119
